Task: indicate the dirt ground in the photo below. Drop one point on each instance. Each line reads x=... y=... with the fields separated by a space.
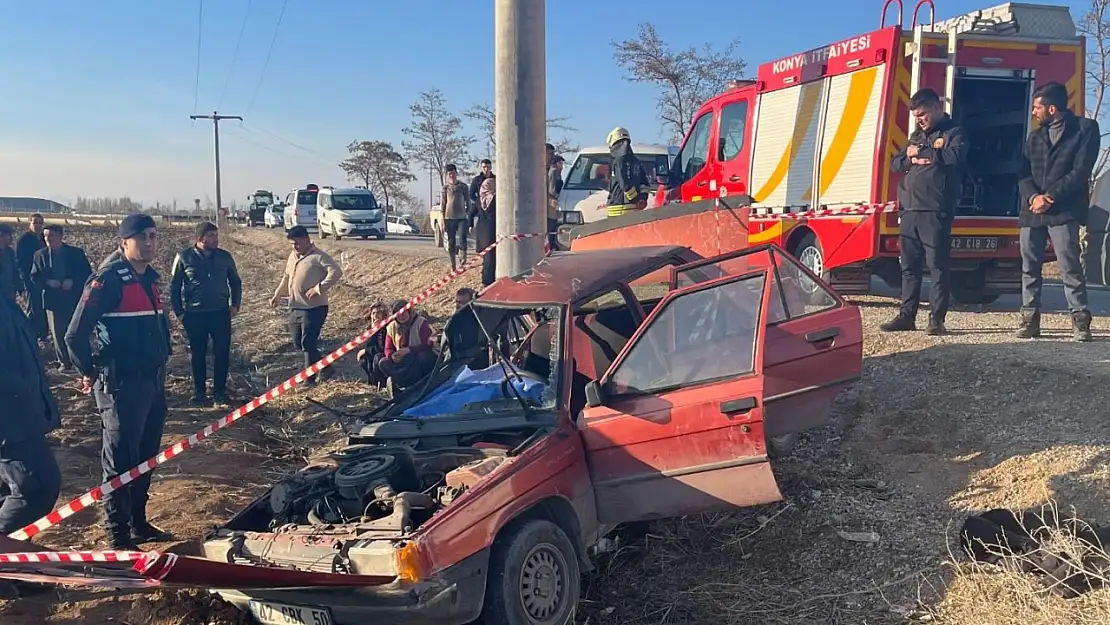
x=937 y=427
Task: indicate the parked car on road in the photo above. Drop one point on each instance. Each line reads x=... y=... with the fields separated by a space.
x=349 y=213
x=274 y=216
x=626 y=384
x=300 y=207
x=401 y=224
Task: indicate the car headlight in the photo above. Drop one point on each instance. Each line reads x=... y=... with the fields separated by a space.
x=374 y=215
x=572 y=217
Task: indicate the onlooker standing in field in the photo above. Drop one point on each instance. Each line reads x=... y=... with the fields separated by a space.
x=485 y=228
x=485 y=170
x=25 y=247
x=206 y=293
x=29 y=475
x=456 y=211
x=59 y=271
x=122 y=308
x=554 y=187
x=11 y=284
x=1054 y=184
x=932 y=164
x=309 y=274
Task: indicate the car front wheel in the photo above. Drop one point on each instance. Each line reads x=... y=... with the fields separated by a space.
x=533 y=577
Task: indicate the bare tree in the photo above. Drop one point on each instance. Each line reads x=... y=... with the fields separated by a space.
x=380 y=168
x=484 y=116
x=436 y=134
x=1095 y=27
x=685 y=78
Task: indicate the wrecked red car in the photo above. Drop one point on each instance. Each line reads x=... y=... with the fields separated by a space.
x=600 y=388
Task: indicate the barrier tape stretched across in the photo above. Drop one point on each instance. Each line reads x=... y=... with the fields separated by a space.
x=72 y=557
x=866 y=209
x=80 y=503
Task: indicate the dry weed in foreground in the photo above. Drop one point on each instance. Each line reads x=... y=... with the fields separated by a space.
x=986 y=594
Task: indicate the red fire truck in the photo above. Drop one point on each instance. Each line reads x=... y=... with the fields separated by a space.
x=816 y=131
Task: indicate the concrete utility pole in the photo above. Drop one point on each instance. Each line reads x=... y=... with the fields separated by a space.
x=520 y=72
x=216 y=118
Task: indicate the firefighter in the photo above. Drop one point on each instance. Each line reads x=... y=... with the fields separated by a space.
x=628 y=188
x=121 y=304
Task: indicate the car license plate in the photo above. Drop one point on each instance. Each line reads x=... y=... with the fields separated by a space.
x=975 y=244
x=269 y=613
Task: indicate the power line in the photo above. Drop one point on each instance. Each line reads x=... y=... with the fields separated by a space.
x=308 y=157
x=235 y=55
x=200 y=29
x=266 y=64
x=283 y=140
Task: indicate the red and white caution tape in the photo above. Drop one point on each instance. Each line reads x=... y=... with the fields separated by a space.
x=72 y=557
x=758 y=214
x=84 y=501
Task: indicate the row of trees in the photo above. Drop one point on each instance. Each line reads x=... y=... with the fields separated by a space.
x=684 y=79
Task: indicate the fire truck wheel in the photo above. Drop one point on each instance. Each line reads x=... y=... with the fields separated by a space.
x=807 y=249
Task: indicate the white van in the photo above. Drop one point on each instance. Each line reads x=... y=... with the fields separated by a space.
x=401 y=224
x=349 y=213
x=299 y=207
x=586 y=183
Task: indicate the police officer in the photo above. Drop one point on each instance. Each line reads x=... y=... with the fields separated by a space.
x=932 y=166
x=628 y=189
x=128 y=373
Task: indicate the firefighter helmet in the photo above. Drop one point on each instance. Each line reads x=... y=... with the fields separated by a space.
x=617 y=134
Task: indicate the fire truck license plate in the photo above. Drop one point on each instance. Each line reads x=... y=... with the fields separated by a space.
x=283 y=614
x=985 y=244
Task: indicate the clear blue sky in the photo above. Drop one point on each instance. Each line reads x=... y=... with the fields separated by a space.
x=97 y=94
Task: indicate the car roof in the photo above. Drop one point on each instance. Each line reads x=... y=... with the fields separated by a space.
x=645 y=149
x=566 y=277
x=347 y=191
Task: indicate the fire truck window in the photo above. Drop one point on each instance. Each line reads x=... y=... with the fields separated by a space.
x=692 y=158
x=734 y=119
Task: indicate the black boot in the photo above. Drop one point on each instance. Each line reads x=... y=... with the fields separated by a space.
x=119 y=541
x=901 y=323
x=1030 y=327
x=145 y=532
x=936 y=328
x=1081 y=326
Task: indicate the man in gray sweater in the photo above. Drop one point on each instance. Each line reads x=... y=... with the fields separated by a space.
x=456 y=213
x=310 y=273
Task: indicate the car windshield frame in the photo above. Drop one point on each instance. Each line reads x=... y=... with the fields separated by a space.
x=338 y=198
x=577 y=176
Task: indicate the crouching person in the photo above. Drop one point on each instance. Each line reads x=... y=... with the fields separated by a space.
x=371 y=355
x=408 y=348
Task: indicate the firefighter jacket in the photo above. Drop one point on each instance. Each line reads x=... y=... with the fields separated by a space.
x=628 y=189
x=125 y=310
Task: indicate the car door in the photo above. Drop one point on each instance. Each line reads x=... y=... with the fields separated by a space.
x=675 y=426
x=693 y=170
x=814 y=339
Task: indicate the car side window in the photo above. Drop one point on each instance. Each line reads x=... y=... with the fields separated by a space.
x=734 y=119
x=795 y=294
x=692 y=157
x=699 y=336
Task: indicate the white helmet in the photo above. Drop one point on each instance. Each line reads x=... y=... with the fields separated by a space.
x=617 y=134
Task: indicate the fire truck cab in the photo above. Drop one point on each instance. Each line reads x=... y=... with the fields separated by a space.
x=816 y=131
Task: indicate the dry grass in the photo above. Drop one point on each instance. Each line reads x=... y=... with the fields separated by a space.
x=938 y=428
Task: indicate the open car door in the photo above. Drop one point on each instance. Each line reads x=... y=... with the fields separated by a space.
x=675 y=426
x=814 y=340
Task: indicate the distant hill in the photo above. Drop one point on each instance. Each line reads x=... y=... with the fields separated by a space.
x=31 y=205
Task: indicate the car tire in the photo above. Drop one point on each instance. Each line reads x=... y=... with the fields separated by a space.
x=380 y=237
x=363 y=237
x=534 y=577
x=335 y=234
x=323 y=233
x=437 y=234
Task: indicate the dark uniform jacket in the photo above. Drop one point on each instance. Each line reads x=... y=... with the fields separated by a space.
x=25 y=247
x=1061 y=171
x=204 y=283
x=629 y=183
x=125 y=310
x=68 y=262
x=936 y=186
x=11 y=283
x=27 y=406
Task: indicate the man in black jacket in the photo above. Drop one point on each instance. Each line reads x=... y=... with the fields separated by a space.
x=1054 y=188
x=121 y=305
x=932 y=166
x=25 y=247
x=485 y=171
x=206 y=293
x=29 y=477
x=59 y=272
x=11 y=284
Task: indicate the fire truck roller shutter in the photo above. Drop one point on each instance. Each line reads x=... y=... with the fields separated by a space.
x=847 y=167
x=786 y=139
